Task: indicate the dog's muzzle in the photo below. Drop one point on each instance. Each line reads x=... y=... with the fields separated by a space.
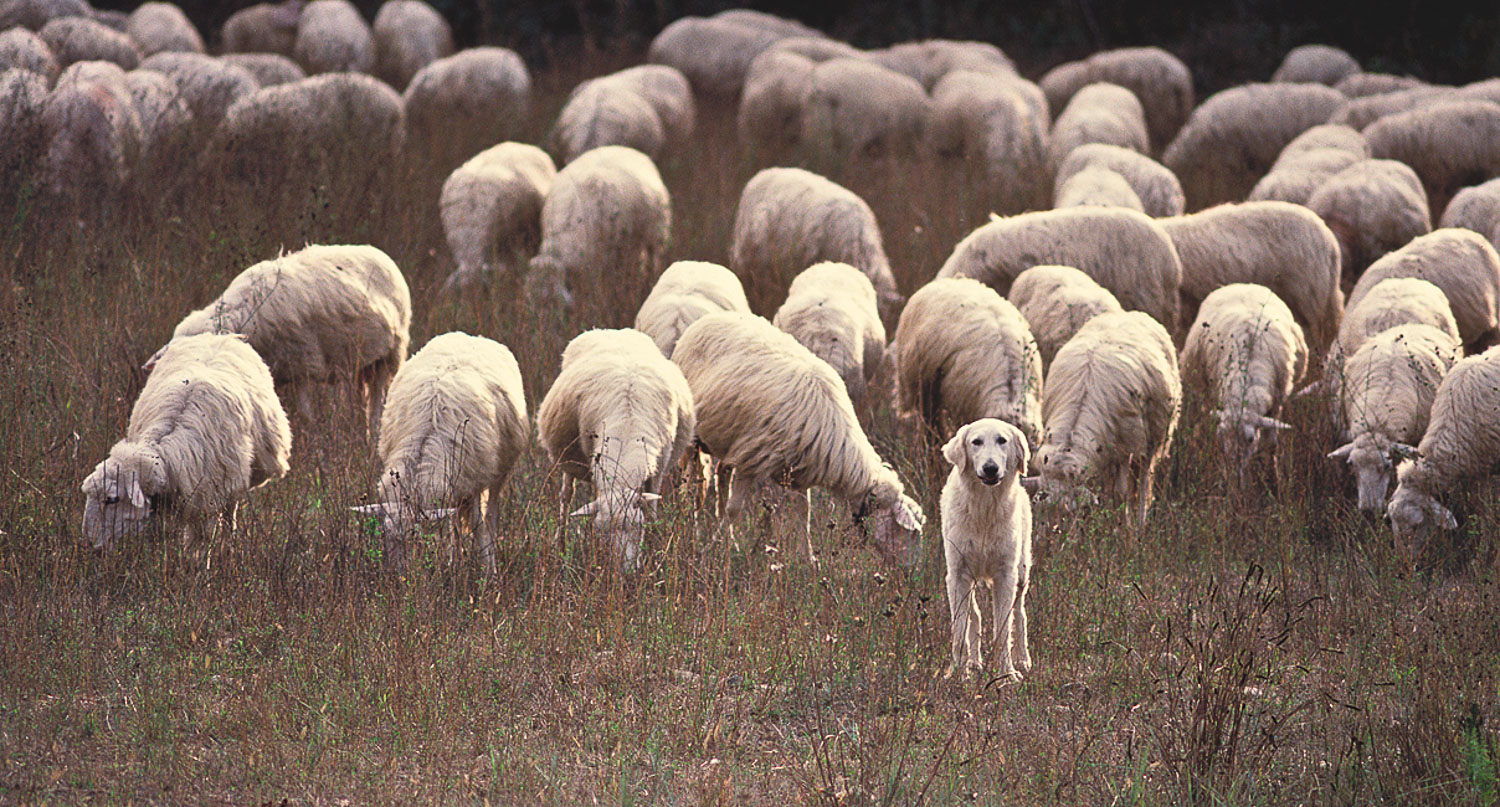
x=990 y=474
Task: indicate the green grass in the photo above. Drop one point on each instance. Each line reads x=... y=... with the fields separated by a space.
x=1274 y=649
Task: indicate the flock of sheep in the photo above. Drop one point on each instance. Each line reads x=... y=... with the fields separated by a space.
x=1273 y=233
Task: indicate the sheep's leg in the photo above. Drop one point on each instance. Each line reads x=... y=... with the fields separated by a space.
x=801 y=511
x=304 y=400
x=964 y=614
x=1145 y=469
x=722 y=479
x=375 y=387
x=492 y=524
x=741 y=489
x=394 y=550
x=564 y=500
x=480 y=526
x=1003 y=599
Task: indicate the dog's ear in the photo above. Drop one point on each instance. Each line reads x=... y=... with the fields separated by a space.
x=1020 y=452
x=956 y=452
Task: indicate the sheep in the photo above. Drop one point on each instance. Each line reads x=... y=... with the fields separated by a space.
x=1112 y=402
x=997 y=124
x=789 y=219
x=1126 y=252
x=1308 y=161
x=781 y=26
x=856 y=109
x=166 y=127
x=1158 y=79
x=1372 y=207
x=23 y=99
x=409 y=35
x=492 y=211
x=1156 y=187
x=20 y=48
x=263 y=28
x=1281 y=246
x=930 y=61
x=79 y=39
x=668 y=93
x=1099 y=187
x=1229 y=142
x=1461 y=263
x=1391 y=302
x=1360 y=112
x=605 y=224
x=158 y=26
x=34 y=14
x=1462 y=442
x=316 y=315
x=1360 y=85
x=1385 y=394
x=1056 y=301
x=686 y=291
x=1476 y=208
x=1246 y=348
x=112 y=18
x=206 y=429
x=210 y=86
x=987 y=540
x=93 y=134
x=619 y=415
x=268 y=69
x=831 y=309
x=715 y=54
x=1449 y=145
x=1317 y=64
x=462 y=104
x=773 y=412
x=333 y=37
x=963 y=351
x=1099 y=113
x=769 y=118
x=647 y=108
x=453 y=430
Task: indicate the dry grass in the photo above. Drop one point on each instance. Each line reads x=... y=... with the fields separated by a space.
x=1272 y=648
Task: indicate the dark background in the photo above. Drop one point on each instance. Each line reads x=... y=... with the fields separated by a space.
x=1225 y=43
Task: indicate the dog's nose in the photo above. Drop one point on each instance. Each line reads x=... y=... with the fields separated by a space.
x=990 y=469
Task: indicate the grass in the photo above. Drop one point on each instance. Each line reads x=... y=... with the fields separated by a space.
x=1270 y=649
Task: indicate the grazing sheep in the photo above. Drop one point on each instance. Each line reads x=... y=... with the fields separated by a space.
x=166 y=128
x=831 y=309
x=158 y=26
x=263 y=28
x=455 y=426
x=931 y=60
x=316 y=315
x=619 y=415
x=1158 y=79
x=686 y=291
x=1360 y=85
x=268 y=69
x=781 y=26
x=492 y=211
x=1126 y=252
x=205 y=430
x=34 y=14
x=1229 y=143
x=773 y=412
x=209 y=85
x=668 y=93
x=462 y=104
x=1359 y=113
x=715 y=54
x=605 y=225
x=20 y=48
x=646 y=108
x=987 y=543
x=1097 y=186
x=769 y=118
x=964 y=351
x=93 y=134
x=1113 y=397
x=1462 y=442
x=409 y=35
x=23 y=99
x=1449 y=145
x=1385 y=393
x=1308 y=161
x=1372 y=207
x=789 y=219
x=1316 y=64
x=1247 y=350
x=996 y=123
x=1391 y=302
x=1099 y=113
x=79 y=39
x=1056 y=301
x=1461 y=263
x=1281 y=246
x=333 y=38
x=1476 y=208
x=1156 y=187
x=856 y=109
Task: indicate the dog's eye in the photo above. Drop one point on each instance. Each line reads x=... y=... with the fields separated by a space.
x=1000 y=441
x=978 y=441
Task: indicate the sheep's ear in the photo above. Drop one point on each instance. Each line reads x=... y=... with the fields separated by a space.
x=155 y=357
x=649 y=498
x=590 y=509
x=1311 y=389
x=955 y=452
x=1444 y=516
x=1342 y=452
x=1272 y=423
x=136 y=495
x=1031 y=484
x=908 y=515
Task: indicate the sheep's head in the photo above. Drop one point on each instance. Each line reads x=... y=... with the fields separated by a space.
x=1240 y=433
x=397 y=514
x=622 y=519
x=1372 y=459
x=1412 y=512
x=116 y=503
x=895 y=524
x=547 y=282
x=1061 y=478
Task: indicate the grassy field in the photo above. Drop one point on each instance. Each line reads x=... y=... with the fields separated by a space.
x=1267 y=646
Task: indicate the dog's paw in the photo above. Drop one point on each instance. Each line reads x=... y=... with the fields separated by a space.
x=1023 y=663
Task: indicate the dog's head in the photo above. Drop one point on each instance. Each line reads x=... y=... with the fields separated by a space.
x=991 y=449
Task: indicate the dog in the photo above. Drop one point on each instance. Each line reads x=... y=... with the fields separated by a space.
x=987 y=542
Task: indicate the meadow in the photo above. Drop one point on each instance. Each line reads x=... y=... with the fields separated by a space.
x=1255 y=644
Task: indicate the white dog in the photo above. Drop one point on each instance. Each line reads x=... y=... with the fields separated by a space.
x=987 y=541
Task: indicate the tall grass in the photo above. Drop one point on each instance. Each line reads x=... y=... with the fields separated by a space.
x=1272 y=648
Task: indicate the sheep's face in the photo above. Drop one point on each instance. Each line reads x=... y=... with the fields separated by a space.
x=990 y=449
x=398 y=519
x=115 y=505
x=1061 y=482
x=1372 y=461
x=1240 y=433
x=1413 y=513
x=622 y=521
x=897 y=531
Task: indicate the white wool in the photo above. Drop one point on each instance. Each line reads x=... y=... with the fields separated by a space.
x=80 y=39
x=1097 y=186
x=607 y=113
x=769 y=119
x=857 y=110
x=714 y=54
x=1126 y=252
x=963 y=350
x=1281 y=246
x=157 y=26
x=789 y=219
x=1160 y=80
x=33 y=14
x=1156 y=188
x=20 y=48
x=206 y=428
x=1056 y=301
x=1316 y=64
x=263 y=28
x=1308 y=161
x=166 y=125
x=686 y=291
x=1461 y=263
x=1476 y=208
x=268 y=69
x=1360 y=85
x=492 y=210
x=92 y=131
x=932 y=60
x=1112 y=399
x=462 y=104
x=996 y=123
x=409 y=35
x=1448 y=144
x=1099 y=113
x=209 y=85
x=1372 y=207
x=333 y=37
x=1389 y=303
x=831 y=309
